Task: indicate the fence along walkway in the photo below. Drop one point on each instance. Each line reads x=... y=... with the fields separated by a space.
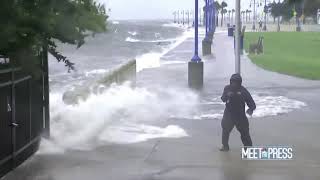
x=22 y=115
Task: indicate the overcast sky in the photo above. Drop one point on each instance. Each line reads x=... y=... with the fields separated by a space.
x=155 y=9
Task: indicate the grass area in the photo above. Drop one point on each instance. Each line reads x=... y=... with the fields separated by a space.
x=291 y=53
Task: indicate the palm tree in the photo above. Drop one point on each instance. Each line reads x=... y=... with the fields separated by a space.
x=218 y=8
x=243 y=15
x=233 y=11
x=247 y=12
x=229 y=15
x=223 y=10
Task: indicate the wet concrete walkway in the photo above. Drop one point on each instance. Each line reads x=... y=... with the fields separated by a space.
x=197 y=156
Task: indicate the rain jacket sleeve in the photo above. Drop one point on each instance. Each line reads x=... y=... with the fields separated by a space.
x=249 y=100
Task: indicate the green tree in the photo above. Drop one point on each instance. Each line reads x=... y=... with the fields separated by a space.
x=29 y=25
x=311 y=7
x=308 y=8
x=247 y=12
x=276 y=12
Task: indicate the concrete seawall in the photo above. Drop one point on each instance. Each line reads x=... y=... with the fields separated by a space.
x=121 y=74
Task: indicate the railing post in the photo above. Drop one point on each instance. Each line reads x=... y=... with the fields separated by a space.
x=45 y=81
x=13 y=122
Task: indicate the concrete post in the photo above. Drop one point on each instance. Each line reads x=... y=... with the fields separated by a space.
x=195 y=66
x=46 y=91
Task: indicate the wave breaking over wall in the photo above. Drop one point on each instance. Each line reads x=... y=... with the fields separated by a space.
x=119 y=75
x=120 y=114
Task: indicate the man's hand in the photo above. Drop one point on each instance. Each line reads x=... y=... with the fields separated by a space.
x=249 y=112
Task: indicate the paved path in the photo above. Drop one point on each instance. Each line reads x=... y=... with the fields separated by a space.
x=197 y=156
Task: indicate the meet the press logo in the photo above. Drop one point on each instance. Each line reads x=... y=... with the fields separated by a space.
x=267 y=153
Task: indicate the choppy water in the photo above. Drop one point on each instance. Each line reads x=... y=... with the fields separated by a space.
x=124 y=41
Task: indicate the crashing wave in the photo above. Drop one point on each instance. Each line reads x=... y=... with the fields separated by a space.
x=129 y=39
x=133 y=33
x=115 y=22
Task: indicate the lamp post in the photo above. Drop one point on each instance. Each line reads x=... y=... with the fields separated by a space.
x=207 y=17
x=196 y=57
x=213 y=15
x=195 y=66
x=237 y=38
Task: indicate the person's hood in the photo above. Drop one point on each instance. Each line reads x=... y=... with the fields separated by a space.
x=236 y=79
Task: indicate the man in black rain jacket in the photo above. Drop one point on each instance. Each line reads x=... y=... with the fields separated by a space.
x=236 y=97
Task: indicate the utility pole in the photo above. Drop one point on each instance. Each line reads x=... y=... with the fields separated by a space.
x=237 y=38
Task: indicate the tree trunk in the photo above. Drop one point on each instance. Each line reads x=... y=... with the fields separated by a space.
x=278 y=29
x=217 y=20
x=221 y=19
